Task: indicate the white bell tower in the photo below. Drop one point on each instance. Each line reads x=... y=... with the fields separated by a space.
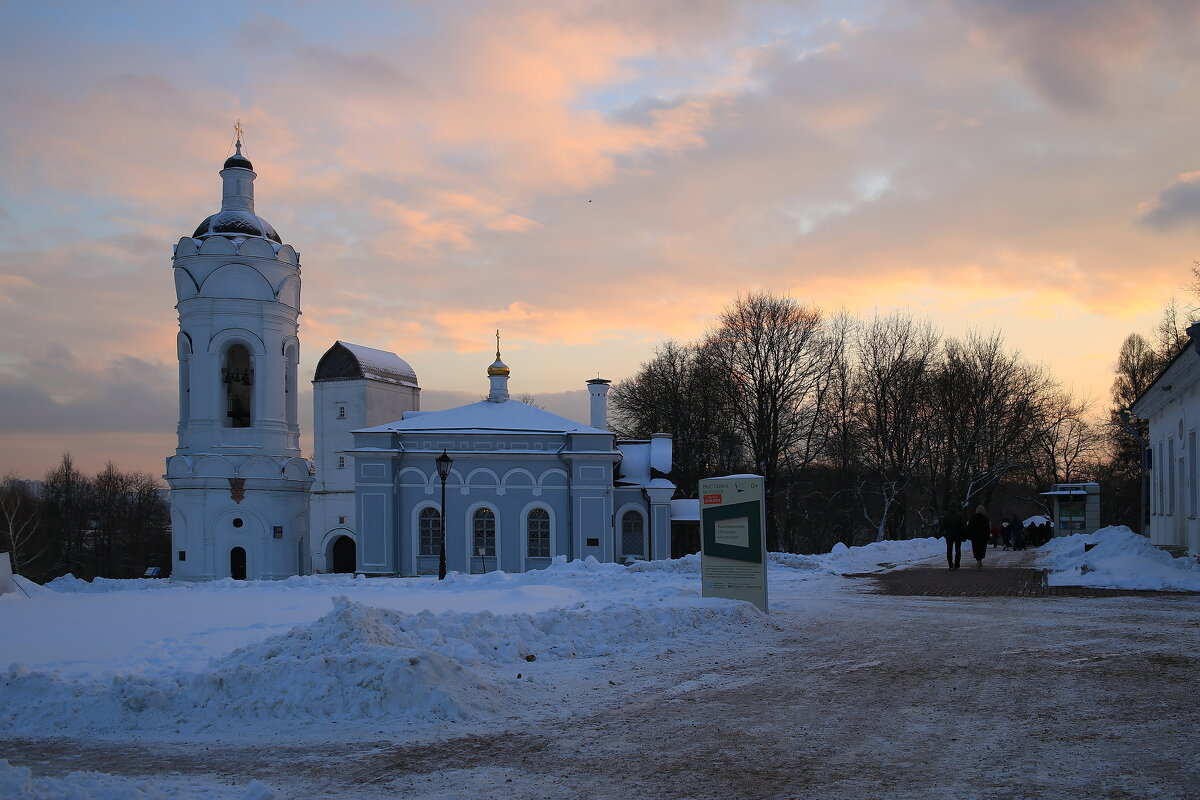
x=239 y=486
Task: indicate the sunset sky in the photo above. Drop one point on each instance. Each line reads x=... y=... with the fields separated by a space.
x=590 y=177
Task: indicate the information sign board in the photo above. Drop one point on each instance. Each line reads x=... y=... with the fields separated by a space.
x=733 y=539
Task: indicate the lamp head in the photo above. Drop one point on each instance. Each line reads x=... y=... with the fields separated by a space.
x=444 y=462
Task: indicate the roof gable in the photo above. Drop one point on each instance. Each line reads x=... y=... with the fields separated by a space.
x=510 y=415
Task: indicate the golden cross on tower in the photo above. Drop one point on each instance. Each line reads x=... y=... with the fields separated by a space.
x=237 y=127
x=497 y=344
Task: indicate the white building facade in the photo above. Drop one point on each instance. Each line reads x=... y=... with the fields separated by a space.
x=354 y=387
x=1172 y=406
x=528 y=485
x=525 y=486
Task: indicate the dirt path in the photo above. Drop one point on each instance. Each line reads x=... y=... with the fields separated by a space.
x=856 y=695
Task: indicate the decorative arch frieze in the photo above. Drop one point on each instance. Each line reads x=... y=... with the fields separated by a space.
x=217 y=246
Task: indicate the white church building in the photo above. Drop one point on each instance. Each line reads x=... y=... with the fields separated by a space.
x=525 y=486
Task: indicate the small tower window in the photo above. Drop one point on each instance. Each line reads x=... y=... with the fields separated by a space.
x=341 y=462
x=238 y=378
x=341 y=412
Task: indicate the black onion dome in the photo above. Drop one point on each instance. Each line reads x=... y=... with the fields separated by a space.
x=236 y=223
x=238 y=160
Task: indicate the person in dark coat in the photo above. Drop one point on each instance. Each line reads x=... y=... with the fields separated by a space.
x=1018 y=533
x=979 y=527
x=954 y=528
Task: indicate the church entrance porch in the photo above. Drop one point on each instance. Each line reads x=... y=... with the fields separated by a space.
x=343 y=555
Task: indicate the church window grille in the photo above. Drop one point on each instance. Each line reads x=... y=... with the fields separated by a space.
x=537 y=528
x=430 y=525
x=483 y=526
x=633 y=530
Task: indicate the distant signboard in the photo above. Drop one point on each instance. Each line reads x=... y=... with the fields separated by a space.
x=733 y=539
x=7 y=584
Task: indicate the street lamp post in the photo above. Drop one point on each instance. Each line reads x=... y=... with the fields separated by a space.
x=444 y=462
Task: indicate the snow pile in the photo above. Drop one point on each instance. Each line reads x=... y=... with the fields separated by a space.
x=841 y=560
x=359 y=662
x=1120 y=559
x=797 y=561
x=25 y=588
x=874 y=557
x=69 y=583
x=18 y=783
x=685 y=565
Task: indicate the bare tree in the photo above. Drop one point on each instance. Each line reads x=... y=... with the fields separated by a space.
x=893 y=414
x=21 y=534
x=777 y=357
x=1170 y=334
x=1067 y=445
x=990 y=408
x=66 y=510
x=679 y=392
x=529 y=400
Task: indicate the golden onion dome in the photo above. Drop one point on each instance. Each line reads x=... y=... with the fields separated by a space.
x=498 y=367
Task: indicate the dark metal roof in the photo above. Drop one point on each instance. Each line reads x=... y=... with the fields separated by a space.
x=236 y=223
x=347 y=361
x=238 y=160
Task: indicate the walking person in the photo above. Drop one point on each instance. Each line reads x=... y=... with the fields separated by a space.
x=979 y=528
x=1018 y=532
x=954 y=528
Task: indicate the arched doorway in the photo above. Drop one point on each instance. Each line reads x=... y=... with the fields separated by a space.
x=343 y=555
x=237 y=564
x=633 y=535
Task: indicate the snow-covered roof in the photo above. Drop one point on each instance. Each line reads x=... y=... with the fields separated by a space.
x=686 y=510
x=346 y=361
x=488 y=417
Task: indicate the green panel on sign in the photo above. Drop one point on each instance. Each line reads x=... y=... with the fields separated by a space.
x=725 y=540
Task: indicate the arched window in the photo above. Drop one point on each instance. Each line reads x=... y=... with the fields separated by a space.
x=185 y=392
x=537 y=531
x=429 y=525
x=291 y=363
x=185 y=378
x=483 y=527
x=633 y=534
x=239 y=380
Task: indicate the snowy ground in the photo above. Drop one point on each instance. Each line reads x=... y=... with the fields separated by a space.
x=591 y=680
